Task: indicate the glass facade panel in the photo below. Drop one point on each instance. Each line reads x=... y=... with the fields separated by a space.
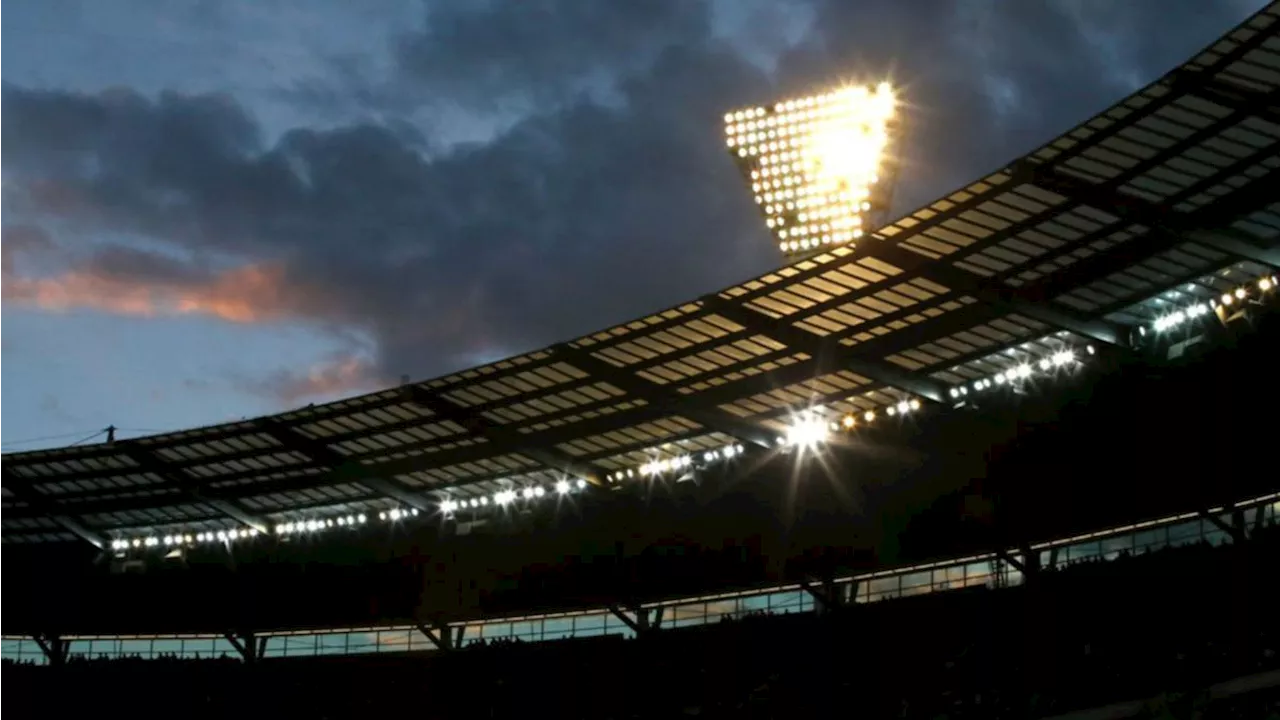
x=588 y=625
x=1150 y=540
x=1184 y=533
x=1112 y=547
x=223 y=647
x=526 y=631
x=1083 y=551
x=787 y=602
x=167 y=647
x=1214 y=536
x=978 y=573
x=393 y=640
x=362 y=642
x=686 y=615
x=82 y=648
x=557 y=629
x=296 y=645
x=883 y=588
x=916 y=579
x=24 y=650
x=331 y=644
x=721 y=609
x=194 y=648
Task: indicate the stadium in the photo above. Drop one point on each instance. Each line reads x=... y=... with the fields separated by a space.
x=1002 y=456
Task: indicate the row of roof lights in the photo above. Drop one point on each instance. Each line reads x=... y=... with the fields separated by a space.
x=812 y=427
x=230 y=535
x=1060 y=359
x=682 y=462
x=312 y=525
x=184 y=540
x=1262 y=286
x=506 y=497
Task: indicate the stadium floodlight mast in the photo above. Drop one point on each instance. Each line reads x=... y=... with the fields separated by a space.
x=818 y=166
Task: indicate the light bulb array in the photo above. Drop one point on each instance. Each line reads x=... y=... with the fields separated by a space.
x=811 y=427
x=1263 y=286
x=677 y=463
x=812 y=162
x=181 y=540
x=317 y=524
x=808 y=429
x=1021 y=372
x=188 y=539
x=509 y=496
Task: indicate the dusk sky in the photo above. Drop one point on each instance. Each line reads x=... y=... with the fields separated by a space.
x=217 y=209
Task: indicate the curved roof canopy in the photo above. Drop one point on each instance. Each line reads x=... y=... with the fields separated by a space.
x=1168 y=196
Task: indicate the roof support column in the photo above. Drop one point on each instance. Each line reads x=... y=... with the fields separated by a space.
x=641 y=620
x=829 y=598
x=251 y=647
x=53 y=647
x=443 y=636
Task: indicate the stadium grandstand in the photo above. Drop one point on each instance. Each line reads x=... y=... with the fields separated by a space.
x=1004 y=456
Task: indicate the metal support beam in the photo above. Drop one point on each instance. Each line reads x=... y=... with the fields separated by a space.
x=1235 y=532
x=1228 y=94
x=1030 y=560
x=446 y=409
x=440 y=635
x=1178 y=226
x=1011 y=560
x=54 y=648
x=24 y=491
x=639 y=619
x=885 y=373
x=188 y=484
x=1242 y=245
x=827 y=597
x=340 y=467
x=247 y=644
x=712 y=417
x=1006 y=298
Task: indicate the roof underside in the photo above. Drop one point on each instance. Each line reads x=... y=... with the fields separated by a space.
x=1173 y=190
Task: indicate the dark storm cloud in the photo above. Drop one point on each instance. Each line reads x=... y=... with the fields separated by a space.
x=486 y=54
x=582 y=215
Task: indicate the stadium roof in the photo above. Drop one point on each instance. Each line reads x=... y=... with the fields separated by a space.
x=1166 y=199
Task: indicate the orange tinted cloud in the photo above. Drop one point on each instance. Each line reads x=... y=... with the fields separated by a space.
x=343 y=375
x=252 y=293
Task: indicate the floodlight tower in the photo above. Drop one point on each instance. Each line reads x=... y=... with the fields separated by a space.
x=821 y=168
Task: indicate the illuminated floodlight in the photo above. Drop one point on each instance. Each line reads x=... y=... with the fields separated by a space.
x=562 y=487
x=818 y=166
x=807 y=431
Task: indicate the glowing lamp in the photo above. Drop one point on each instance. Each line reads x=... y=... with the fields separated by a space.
x=816 y=165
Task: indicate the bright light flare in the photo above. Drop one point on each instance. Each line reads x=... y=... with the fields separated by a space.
x=815 y=163
x=807 y=431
